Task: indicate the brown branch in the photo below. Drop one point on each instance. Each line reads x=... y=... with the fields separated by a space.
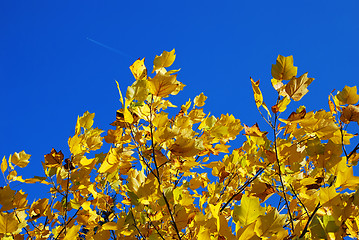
x=280 y=172
x=305 y=230
x=158 y=174
x=134 y=223
x=58 y=235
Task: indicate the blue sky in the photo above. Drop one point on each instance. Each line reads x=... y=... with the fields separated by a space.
x=59 y=59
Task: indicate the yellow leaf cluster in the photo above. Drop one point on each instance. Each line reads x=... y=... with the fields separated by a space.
x=179 y=174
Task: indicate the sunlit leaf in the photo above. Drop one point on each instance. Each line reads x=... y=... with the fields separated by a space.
x=164 y=60
x=284 y=69
x=199 y=100
x=139 y=69
x=269 y=224
x=248 y=211
x=8 y=222
x=348 y=95
x=20 y=159
x=296 y=88
x=163 y=85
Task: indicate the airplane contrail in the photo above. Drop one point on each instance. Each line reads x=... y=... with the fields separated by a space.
x=109 y=48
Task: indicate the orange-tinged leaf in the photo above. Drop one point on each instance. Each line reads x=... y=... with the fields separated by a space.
x=54 y=158
x=163 y=85
x=296 y=88
x=164 y=60
x=199 y=100
x=348 y=95
x=350 y=114
x=284 y=68
x=8 y=222
x=6 y=197
x=254 y=131
x=139 y=69
x=20 y=159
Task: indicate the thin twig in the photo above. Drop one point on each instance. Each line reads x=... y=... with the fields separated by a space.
x=295 y=194
x=241 y=189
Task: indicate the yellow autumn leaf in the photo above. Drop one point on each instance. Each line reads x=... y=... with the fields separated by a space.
x=246 y=232
x=204 y=233
x=126 y=113
x=110 y=226
x=284 y=68
x=321 y=123
x=163 y=85
x=111 y=161
x=166 y=59
x=328 y=196
x=254 y=131
x=86 y=121
x=138 y=90
x=72 y=233
x=119 y=91
x=269 y=224
x=248 y=211
x=3 y=164
x=283 y=103
x=346 y=178
x=139 y=69
x=186 y=147
x=348 y=95
x=296 y=88
x=8 y=222
x=20 y=159
x=258 y=97
x=208 y=123
x=199 y=100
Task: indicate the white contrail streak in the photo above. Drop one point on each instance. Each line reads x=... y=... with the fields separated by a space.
x=109 y=48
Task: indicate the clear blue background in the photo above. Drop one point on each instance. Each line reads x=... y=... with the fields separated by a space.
x=52 y=70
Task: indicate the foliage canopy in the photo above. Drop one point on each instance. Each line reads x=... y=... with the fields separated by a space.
x=160 y=179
